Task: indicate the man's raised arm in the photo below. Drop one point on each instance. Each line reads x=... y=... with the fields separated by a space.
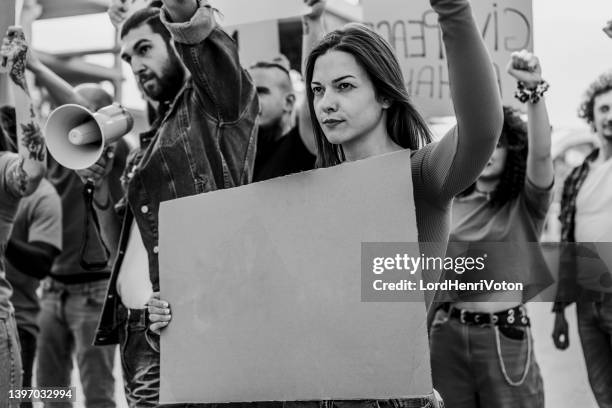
x=211 y=57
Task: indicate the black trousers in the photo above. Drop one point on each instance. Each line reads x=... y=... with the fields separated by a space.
x=28 y=351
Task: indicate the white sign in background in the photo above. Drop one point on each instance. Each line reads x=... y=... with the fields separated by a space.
x=411 y=27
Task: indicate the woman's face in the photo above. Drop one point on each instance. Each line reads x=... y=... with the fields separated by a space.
x=496 y=164
x=345 y=101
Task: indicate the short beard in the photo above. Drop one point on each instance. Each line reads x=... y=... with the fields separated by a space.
x=171 y=79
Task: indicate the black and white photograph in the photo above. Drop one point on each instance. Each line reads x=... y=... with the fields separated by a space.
x=306 y=203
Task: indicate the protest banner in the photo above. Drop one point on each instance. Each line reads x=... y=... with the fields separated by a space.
x=265 y=288
x=412 y=29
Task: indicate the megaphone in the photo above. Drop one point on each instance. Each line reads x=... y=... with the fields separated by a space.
x=77 y=137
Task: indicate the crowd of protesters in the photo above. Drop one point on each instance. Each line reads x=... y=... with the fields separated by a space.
x=72 y=288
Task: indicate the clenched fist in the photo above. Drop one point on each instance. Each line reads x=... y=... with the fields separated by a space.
x=525 y=67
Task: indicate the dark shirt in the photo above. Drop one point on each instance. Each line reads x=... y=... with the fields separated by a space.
x=67 y=266
x=38 y=219
x=282 y=157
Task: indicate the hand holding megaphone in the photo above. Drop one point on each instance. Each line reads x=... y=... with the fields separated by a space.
x=77 y=137
x=96 y=173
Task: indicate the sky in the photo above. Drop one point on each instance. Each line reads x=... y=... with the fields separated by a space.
x=568 y=39
x=573 y=50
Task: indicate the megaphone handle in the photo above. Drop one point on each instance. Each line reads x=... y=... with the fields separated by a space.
x=90 y=213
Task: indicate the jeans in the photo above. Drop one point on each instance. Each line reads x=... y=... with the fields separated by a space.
x=68 y=320
x=28 y=352
x=595 y=329
x=468 y=366
x=10 y=358
x=139 y=358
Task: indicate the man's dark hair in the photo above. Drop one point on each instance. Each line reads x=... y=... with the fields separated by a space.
x=602 y=85
x=149 y=16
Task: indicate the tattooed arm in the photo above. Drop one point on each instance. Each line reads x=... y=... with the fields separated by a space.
x=60 y=91
x=25 y=175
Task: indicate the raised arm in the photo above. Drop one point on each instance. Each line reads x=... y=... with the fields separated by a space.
x=60 y=91
x=456 y=161
x=313 y=31
x=25 y=174
x=211 y=57
x=526 y=68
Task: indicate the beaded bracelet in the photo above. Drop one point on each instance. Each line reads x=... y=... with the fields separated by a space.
x=533 y=95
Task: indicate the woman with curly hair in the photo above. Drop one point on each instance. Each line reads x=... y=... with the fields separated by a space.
x=481 y=344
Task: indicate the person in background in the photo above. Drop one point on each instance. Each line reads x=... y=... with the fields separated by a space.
x=20 y=175
x=481 y=344
x=284 y=147
x=34 y=243
x=73 y=292
x=585 y=217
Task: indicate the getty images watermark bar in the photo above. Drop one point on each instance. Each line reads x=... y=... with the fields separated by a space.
x=39 y=394
x=406 y=271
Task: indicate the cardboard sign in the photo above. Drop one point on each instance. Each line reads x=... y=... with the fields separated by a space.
x=412 y=29
x=264 y=284
x=235 y=12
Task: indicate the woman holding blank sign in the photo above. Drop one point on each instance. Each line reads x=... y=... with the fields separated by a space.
x=361 y=108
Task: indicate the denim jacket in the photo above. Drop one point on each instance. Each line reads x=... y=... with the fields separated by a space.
x=206 y=141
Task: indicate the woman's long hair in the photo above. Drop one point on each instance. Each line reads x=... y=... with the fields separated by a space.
x=405 y=125
x=512 y=179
